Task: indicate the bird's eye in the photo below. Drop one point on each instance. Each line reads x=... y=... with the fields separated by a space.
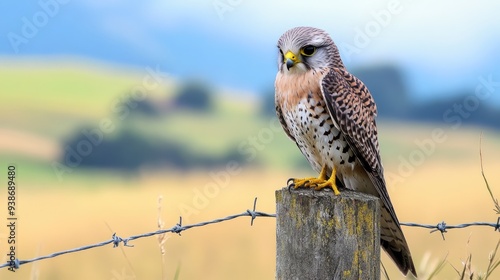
x=308 y=50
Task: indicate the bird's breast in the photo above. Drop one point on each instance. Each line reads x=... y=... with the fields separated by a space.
x=318 y=138
x=308 y=121
x=292 y=88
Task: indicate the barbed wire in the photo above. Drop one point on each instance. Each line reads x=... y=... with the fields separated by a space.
x=116 y=240
x=443 y=227
x=178 y=228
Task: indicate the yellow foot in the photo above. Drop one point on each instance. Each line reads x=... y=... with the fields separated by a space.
x=311 y=182
x=317 y=183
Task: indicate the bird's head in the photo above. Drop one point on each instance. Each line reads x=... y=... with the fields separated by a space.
x=304 y=48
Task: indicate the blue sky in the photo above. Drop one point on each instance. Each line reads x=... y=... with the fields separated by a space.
x=441 y=47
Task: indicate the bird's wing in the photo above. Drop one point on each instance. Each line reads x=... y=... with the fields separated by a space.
x=353 y=111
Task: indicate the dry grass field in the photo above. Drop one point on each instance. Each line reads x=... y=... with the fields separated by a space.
x=55 y=219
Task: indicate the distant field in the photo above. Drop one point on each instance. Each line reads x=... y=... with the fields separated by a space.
x=427 y=182
x=81 y=212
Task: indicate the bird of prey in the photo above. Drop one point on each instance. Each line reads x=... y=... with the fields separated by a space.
x=330 y=114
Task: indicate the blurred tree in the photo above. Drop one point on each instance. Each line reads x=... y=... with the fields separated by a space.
x=388 y=88
x=129 y=151
x=147 y=108
x=460 y=107
x=194 y=95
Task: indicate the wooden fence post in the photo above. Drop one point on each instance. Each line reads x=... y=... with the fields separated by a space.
x=323 y=236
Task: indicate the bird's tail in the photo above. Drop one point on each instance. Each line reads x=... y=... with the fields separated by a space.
x=394 y=243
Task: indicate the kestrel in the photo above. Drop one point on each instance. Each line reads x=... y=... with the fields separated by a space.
x=330 y=114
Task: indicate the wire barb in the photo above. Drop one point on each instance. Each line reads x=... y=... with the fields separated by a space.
x=15 y=263
x=178 y=227
x=252 y=213
x=440 y=227
x=117 y=239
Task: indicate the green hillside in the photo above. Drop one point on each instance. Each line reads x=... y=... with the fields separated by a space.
x=57 y=103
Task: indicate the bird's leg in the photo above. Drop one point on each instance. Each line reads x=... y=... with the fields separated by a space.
x=329 y=183
x=317 y=183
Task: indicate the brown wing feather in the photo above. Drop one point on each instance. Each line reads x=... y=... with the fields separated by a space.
x=353 y=111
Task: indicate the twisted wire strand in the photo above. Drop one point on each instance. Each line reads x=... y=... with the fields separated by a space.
x=116 y=240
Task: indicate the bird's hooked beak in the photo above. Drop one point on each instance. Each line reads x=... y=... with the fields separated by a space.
x=291 y=59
